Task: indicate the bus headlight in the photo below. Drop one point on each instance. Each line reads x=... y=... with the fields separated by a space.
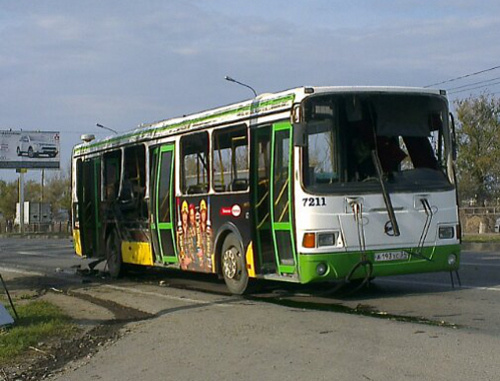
x=327 y=239
x=311 y=240
x=446 y=232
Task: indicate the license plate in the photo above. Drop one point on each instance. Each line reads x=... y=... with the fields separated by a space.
x=391 y=256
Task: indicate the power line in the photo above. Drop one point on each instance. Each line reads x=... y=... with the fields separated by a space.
x=475 y=88
x=474 y=83
x=463 y=76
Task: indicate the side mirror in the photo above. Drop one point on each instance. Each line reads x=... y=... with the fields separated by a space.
x=299 y=134
x=453 y=138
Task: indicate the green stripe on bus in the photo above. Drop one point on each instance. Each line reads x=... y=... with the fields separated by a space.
x=152 y=131
x=282 y=226
x=165 y=225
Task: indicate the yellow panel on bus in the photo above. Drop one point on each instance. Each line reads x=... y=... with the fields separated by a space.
x=77 y=242
x=250 y=262
x=137 y=253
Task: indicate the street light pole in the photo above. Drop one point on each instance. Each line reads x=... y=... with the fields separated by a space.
x=227 y=78
x=106 y=128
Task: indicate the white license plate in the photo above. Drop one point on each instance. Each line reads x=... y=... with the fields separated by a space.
x=391 y=256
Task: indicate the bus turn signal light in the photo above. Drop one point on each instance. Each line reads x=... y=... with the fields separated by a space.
x=309 y=240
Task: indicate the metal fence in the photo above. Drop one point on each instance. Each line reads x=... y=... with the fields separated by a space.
x=480 y=211
x=52 y=227
x=479 y=219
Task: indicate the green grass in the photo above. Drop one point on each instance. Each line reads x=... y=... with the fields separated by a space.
x=493 y=237
x=38 y=321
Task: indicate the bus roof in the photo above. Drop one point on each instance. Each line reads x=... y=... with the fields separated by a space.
x=262 y=105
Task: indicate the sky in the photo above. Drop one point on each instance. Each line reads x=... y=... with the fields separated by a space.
x=67 y=65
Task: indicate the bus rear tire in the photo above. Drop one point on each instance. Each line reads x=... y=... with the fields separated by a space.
x=114 y=256
x=233 y=265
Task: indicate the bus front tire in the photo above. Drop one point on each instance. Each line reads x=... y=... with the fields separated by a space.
x=114 y=256
x=233 y=265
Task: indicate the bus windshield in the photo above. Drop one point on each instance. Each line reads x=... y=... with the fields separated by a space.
x=408 y=132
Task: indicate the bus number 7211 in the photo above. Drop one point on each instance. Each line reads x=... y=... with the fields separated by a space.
x=314 y=201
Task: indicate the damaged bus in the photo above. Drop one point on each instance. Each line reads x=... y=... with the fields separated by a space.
x=311 y=184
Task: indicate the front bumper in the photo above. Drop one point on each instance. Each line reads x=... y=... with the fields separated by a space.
x=340 y=265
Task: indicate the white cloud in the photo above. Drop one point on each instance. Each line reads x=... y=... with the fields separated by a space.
x=126 y=62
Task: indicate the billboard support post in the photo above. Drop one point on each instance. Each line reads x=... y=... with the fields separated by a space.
x=43 y=180
x=21 y=202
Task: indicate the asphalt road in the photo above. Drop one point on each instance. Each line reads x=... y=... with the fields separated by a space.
x=412 y=327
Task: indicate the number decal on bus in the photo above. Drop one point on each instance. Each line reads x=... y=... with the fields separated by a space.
x=314 y=201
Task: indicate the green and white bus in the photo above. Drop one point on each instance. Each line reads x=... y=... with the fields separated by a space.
x=311 y=184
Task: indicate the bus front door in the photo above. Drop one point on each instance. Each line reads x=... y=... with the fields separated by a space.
x=163 y=211
x=281 y=207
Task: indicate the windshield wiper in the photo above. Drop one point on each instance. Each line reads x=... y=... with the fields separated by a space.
x=387 y=198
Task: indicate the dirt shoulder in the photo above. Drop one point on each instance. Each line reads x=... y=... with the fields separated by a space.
x=99 y=323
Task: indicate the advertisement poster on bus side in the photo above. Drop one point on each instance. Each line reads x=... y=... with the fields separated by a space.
x=29 y=149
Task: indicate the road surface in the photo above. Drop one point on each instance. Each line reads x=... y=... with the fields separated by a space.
x=412 y=327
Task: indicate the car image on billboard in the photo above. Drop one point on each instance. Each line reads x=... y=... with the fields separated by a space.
x=29 y=149
x=36 y=146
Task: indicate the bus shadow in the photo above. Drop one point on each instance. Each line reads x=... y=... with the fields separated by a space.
x=334 y=291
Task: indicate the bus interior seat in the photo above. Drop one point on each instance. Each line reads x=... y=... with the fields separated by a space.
x=198 y=188
x=238 y=185
x=421 y=153
x=219 y=187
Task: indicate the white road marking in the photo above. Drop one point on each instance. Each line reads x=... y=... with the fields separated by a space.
x=155 y=294
x=37 y=254
x=443 y=285
x=479 y=264
x=19 y=271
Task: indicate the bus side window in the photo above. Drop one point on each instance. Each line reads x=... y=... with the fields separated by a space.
x=230 y=159
x=111 y=174
x=134 y=172
x=194 y=154
x=132 y=194
x=264 y=163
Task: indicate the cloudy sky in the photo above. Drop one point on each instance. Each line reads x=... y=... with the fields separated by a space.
x=67 y=65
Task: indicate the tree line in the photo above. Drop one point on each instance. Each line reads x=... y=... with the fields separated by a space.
x=478 y=163
x=478 y=143
x=56 y=190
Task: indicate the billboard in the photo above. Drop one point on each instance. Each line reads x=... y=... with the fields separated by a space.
x=29 y=149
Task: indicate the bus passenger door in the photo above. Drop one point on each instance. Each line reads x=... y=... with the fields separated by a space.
x=162 y=226
x=281 y=208
x=261 y=159
x=89 y=206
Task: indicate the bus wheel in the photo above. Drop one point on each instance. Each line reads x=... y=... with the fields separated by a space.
x=234 y=265
x=114 y=256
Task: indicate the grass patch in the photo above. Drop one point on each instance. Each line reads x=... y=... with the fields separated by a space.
x=38 y=321
x=493 y=237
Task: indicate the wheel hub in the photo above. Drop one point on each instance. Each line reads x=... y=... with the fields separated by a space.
x=231 y=263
